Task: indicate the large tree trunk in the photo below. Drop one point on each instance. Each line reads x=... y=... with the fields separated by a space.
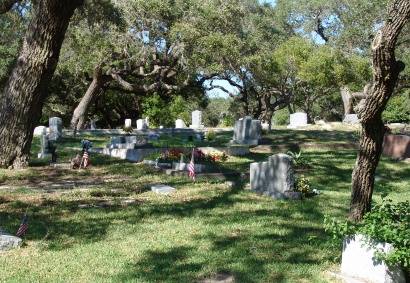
x=385 y=74
x=25 y=91
x=80 y=112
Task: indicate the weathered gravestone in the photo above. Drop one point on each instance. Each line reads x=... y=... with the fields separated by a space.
x=247 y=131
x=180 y=124
x=142 y=124
x=127 y=123
x=93 y=125
x=274 y=178
x=8 y=242
x=351 y=119
x=55 y=125
x=298 y=119
x=39 y=130
x=196 y=120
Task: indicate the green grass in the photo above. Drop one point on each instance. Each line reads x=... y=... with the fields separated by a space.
x=204 y=228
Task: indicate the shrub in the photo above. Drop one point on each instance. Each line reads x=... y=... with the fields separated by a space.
x=298 y=159
x=281 y=117
x=398 y=109
x=210 y=135
x=303 y=185
x=387 y=222
x=127 y=130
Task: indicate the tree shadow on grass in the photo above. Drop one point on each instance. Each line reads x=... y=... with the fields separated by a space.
x=172 y=265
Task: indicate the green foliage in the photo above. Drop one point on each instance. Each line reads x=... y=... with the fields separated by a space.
x=161 y=112
x=298 y=159
x=281 y=117
x=387 y=222
x=398 y=109
x=210 y=135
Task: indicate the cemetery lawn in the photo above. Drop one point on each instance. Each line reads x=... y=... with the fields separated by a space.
x=105 y=225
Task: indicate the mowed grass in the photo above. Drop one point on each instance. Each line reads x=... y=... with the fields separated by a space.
x=89 y=234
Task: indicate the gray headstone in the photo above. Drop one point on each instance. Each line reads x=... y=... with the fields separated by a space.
x=162 y=189
x=298 y=119
x=351 y=119
x=247 y=131
x=44 y=149
x=273 y=178
x=55 y=125
x=93 y=126
x=8 y=242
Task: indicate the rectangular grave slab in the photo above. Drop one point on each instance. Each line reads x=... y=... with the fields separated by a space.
x=162 y=189
x=273 y=178
x=358 y=261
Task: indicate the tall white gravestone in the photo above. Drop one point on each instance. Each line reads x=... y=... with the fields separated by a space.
x=247 y=131
x=196 y=120
x=142 y=124
x=56 y=128
x=127 y=123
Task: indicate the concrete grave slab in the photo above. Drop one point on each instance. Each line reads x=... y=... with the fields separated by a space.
x=162 y=189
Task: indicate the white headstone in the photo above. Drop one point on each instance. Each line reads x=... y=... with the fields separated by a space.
x=141 y=124
x=127 y=123
x=298 y=119
x=56 y=128
x=351 y=119
x=196 y=120
x=358 y=261
x=180 y=124
x=39 y=130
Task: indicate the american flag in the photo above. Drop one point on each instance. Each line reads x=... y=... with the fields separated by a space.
x=23 y=226
x=191 y=167
x=85 y=161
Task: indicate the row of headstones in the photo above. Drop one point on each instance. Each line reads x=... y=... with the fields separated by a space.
x=299 y=119
x=143 y=124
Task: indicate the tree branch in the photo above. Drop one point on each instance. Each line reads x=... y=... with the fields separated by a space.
x=6 y=5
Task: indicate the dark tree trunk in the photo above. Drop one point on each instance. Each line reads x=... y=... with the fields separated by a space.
x=385 y=74
x=22 y=99
x=95 y=88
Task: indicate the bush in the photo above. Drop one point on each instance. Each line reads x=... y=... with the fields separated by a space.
x=298 y=159
x=210 y=135
x=281 y=117
x=398 y=109
x=303 y=185
x=387 y=222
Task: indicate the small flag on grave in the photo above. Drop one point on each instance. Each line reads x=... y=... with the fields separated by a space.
x=191 y=167
x=23 y=226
